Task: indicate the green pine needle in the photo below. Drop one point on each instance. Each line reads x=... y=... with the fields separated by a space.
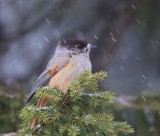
x=79 y=116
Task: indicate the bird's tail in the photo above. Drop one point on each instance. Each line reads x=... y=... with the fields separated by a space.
x=42 y=101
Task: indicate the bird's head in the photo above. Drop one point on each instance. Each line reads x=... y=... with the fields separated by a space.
x=76 y=46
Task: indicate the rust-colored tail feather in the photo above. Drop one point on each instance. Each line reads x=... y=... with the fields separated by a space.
x=42 y=101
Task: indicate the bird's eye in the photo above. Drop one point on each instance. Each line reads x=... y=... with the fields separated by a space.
x=86 y=49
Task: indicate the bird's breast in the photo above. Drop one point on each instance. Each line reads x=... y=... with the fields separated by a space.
x=70 y=72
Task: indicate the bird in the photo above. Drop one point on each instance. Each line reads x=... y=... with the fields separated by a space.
x=70 y=59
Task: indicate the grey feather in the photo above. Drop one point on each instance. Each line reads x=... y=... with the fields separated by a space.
x=43 y=79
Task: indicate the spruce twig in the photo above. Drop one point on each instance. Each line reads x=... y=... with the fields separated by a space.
x=80 y=115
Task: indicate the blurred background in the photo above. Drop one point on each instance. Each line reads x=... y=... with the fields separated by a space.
x=127 y=33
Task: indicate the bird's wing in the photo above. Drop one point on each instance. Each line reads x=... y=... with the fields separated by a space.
x=45 y=77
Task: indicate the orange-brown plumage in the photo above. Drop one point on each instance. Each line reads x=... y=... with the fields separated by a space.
x=42 y=101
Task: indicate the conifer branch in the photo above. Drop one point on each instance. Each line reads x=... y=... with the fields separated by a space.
x=79 y=116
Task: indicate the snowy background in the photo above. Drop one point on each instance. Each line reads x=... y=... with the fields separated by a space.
x=127 y=33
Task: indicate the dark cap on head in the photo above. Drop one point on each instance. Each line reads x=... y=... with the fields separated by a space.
x=73 y=43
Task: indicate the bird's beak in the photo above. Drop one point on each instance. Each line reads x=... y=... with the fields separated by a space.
x=89 y=46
